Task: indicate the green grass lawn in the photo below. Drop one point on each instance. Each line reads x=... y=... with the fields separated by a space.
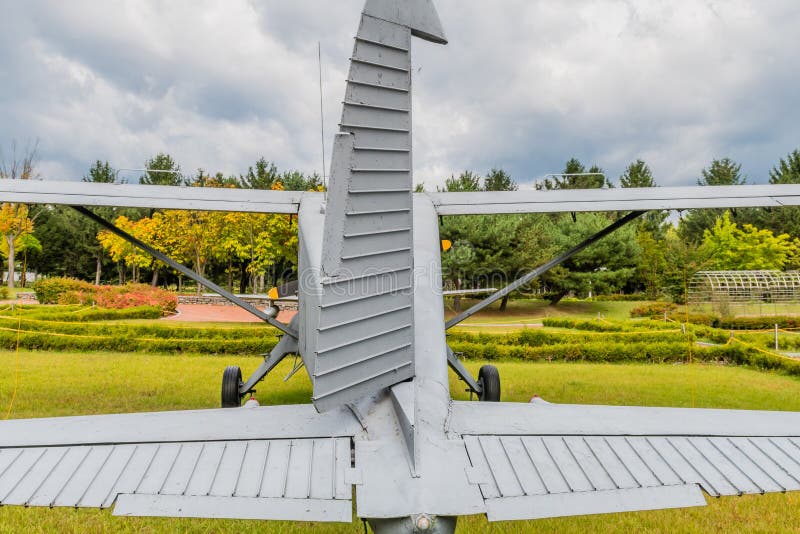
x=69 y=383
x=533 y=311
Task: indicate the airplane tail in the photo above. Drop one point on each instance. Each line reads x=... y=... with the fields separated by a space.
x=365 y=331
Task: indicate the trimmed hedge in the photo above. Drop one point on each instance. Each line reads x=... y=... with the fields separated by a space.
x=124 y=343
x=594 y=325
x=86 y=314
x=653 y=309
x=540 y=337
x=163 y=331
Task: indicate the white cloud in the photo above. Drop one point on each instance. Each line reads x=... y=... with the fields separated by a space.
x=523 y=84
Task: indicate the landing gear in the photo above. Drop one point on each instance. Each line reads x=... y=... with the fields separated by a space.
x=489 y=380
x=231 y=382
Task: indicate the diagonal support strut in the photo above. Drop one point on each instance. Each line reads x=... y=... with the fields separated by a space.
x=186 y=271
x=542 y=269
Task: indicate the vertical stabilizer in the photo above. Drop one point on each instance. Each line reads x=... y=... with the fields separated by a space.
x=365 y=333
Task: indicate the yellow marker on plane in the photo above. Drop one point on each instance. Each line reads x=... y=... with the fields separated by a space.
x=273 y=293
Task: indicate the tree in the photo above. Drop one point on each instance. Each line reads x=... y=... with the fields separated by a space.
x=161 y=170
x=490 y=251
x=607 y=266
x=721 y=172
x=297 y=181
x=263 y=176
x=729 y=247
x=499 y=180
x=14 y=218
x=637 y=174
x=101 y=172
x=786 y=218
x=787 y=171
x=123 y=252
x=653 y=263
x=466 y=181
x=576 y=176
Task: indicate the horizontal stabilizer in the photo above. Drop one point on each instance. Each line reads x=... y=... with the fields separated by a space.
x=284 y=463
x=562 y=460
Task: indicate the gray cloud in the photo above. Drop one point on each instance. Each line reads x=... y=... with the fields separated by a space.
x=523 y=84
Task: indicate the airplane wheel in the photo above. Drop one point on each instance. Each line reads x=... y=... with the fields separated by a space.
x=231 y=381
x=489 y=379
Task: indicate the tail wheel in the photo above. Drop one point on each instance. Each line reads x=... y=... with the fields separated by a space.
x=489 y=380
x=231 y=382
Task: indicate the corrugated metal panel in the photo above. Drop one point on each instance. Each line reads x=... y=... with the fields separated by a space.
x=509 y=467
x=259 y=470
x=365 y=322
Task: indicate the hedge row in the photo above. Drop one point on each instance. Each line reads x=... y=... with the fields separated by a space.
x=45 y=341
x=594 y=325
x=629 y=352
x=85 y=313
x=540 y=337
x=164 y=331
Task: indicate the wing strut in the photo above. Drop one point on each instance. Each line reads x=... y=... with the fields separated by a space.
x=542 y=269
x=186 y=271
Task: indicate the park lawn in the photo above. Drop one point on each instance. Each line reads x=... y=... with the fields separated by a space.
x=521 y=311
x=73 y=383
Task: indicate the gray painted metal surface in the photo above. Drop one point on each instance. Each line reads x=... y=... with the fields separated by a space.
x=619 y=199
x=281 y=479
x=149 y=196
x=366 y=322
x=267 y=422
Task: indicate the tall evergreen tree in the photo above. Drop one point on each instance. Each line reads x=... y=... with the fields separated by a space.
x=576 y=176
x=499 y=180
x=101 y=172
x=161 y=170
x=262 y=176
x=721 y=172
x=466 y=181
x=637 y=174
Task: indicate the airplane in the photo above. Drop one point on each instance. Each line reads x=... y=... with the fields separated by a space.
x=381 y=426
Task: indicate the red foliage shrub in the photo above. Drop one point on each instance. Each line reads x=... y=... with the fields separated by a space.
x=134 y=295
x=71 y=291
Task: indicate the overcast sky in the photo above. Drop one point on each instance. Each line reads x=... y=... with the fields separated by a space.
x=523 y=84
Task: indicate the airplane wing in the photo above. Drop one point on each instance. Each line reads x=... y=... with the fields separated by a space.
x=281 y=462
x=622 y=199
x=540 y=460
x=149 y=196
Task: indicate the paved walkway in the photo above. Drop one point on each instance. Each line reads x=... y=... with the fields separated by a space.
x=220 y=314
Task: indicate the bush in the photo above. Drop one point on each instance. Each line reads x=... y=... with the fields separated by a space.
x=134 y=295
x=49 y=290
x=621 y=297
x=66 y=291
x=653 y=309
x=765 y=322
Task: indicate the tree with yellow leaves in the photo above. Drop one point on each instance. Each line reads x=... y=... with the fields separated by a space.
x=15 y=221
x=125 y=253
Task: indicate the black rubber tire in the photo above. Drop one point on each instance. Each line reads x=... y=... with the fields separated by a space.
x=489 y=379
x=231 y=382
